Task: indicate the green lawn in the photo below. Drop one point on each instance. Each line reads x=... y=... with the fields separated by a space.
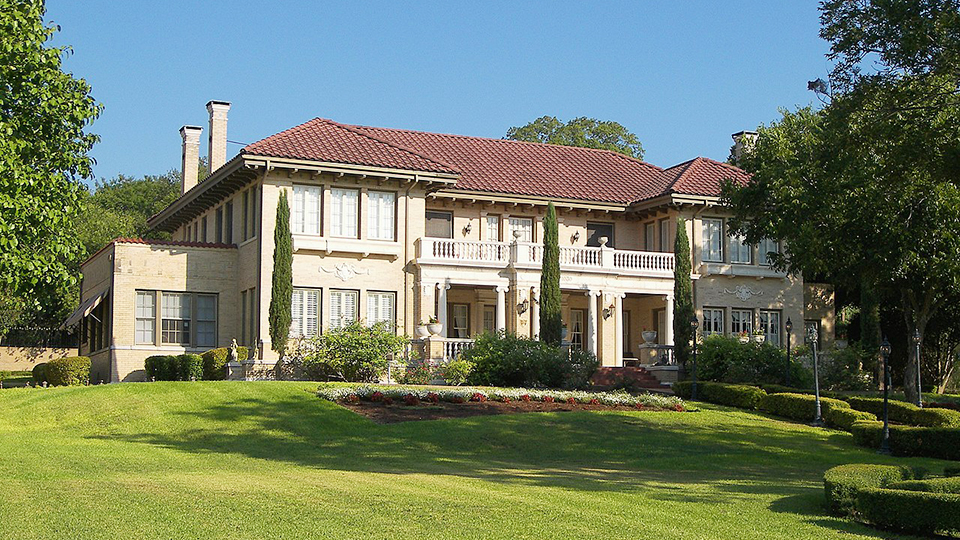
x=270 y=460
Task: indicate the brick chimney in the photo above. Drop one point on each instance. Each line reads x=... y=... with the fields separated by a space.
x=190 y=157
x=742 y=140
x=217 y=138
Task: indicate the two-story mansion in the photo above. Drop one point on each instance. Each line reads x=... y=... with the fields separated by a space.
x=398 y=225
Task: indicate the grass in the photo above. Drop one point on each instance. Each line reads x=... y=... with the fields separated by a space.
x=271 y=460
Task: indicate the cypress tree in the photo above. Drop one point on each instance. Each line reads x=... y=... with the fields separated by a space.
x=282 y=289
x=682 y=295
x=550 y=323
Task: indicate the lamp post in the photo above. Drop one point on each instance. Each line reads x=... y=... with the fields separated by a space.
x=885 y=354
x=916 y=350
x=813 y=335
x=789 y=328
x=694 y=324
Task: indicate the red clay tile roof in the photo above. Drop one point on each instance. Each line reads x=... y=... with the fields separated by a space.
x=701 y=176
x=326 y=140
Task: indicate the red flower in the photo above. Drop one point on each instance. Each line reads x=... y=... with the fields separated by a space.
x=640 y=406
x=353 y=398
x=387 y=401
x=477 y=396
x=411 y=400
x=505 y=399
x=376 y=396
x=678 y=407
x=433 y=397
x=525 y=397
x=548 y=399
x=456 y=399
x=572 y=400
x=594 y=401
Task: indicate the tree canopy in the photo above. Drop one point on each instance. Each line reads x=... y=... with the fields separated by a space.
x=584 y=132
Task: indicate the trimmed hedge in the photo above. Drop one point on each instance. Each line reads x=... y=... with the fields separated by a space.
x=39 y=373
x=845 y=418
x=189 y=367
x=911 y=511
x=930 y=485
x=841 y=484
x=907 y=413
x=734 y=395
x=215 y=362
x=69 y=371
x=802 y=407
x=935 y=442
x=161 y=368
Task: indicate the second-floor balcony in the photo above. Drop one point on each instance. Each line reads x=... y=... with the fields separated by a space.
x=522 y=255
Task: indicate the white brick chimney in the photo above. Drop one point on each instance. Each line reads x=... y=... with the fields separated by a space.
x=190 y=157
x=217 y=137
x=742 y=140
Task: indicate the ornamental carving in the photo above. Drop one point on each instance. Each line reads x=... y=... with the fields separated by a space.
x=344 y=271
x=743 y=292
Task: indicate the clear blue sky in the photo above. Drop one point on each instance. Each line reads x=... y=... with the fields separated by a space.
x=682 y=75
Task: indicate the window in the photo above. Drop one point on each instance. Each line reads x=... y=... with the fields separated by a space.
x=343 y=308
x=650 y=236
x=665 y=242
x=186 y=234
x=713 y=240
x=175 y=318
x=253 y=212
x=203 y=229
x=741 y=320
x=228 y=230
x=246 y=215
x=243 y=316
x=304 y=310
x=576 y=328
x=767 y=246
x=489 y=318
x=740 y=251
x=460 y=321
x=305 y=218
x=219 y=225
x=206 y=321
x=146 y=324
x=196 y=232
x=712 y=321
x=595 y=231
x=770 y=324
x=380 y=215
x=343 y=212
x=524 y=226
x=252 y=310
x=439 y=224
x=493 y=229
x=93 y=328
x=381 y=307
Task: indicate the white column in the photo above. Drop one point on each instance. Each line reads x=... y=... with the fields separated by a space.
x=592 y=321
x=618 y=331
x=442 y=304
x=501 y=308
x=668 y=321
x=535 y=313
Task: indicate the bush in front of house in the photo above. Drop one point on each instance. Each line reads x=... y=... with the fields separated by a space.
x=802 y=407
x=907 y=413
x=161 y=367
x=354 y=353
x=844 y=419
x=189 y=367
x=733 y=395
x=502 y=359
x=69 y=371
x=456 y=372
x=39 y=373
x=416 y=373
x=725 y=359
x=935 y=442
x=909 y=511
x=841 y=369
x=215 y=362
x=842 y=483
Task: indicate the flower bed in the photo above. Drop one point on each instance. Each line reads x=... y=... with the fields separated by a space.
x=411 y=395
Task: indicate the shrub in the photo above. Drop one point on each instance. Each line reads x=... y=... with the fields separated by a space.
x=840 y=369
x=733 y=395
x=725 y=359
x=415 y=374
x=355 y=352
x=189 y=367
x=930 y=485
x=456 y=372
x=907 y=413
x=841 y=484
x=912 y=511
x=935 y=442
x=802 y=407
x=39 y=373
x=69 y=371
x=215 y=362
x=844 y=418
x=161 y=368
x=507 y=360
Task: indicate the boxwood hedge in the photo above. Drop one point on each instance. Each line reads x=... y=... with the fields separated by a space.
x=841 y=484
x=189 y=367
x=930 y=485
x=734 y=395
x=69 y=371
x=215 y=362
x=801 y=407
x=910 y=511
x=161 y=368
x=935 y=442
x=907 y=413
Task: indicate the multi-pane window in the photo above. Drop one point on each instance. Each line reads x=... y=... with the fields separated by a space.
x=493 y=229
x=219 y=221
x=712 y=321
x=489 y=319
x=304 y=311
x=460 y=316
x=740 y=251
x=713 y=240
x=770 y=324
x=343 y=308
x=175 y=311
x=576 y=328
x=766 y=247
x=253 y=213
x=596 y=231
x=650 y=236
x=228 y=224
x=741 y=321
x=343 y=212
x=381 y=208
x=439 y=224
x=146 y=324
x=381 y=307
x=206 y=321
x=305 y=213
x=523 y=226
x=203 y=229
x=245 y=218
x=248 y=315
x=665 y=235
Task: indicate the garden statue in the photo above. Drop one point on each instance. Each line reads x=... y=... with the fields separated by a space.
x=234 y=356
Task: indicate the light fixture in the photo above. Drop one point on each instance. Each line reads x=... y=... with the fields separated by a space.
x=522 y=307
x=694 y=323
x=607 y=312
x=467 y=228
x=576 y=236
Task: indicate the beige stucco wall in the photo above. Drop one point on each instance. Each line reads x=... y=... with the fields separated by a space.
x=818 y=301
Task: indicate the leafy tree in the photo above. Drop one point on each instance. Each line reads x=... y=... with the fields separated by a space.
x=44 y=114
x=282 y=289
x=584 y=132
x=682 y=295
x=551 y=325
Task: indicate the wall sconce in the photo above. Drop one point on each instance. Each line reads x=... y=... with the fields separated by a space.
x=522 y=307
x=576 y=236
x=467 y=228
x=607 y=312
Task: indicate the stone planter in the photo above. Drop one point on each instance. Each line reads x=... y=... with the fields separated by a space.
x=435 y=328
x=649 y=336
x=422 y=331
x=744 y=339
x=759 y=339
x=563 y=333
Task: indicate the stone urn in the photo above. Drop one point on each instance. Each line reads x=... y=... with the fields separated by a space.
x=649 y=336
x=435 y=328
x=422 y=331
x=563 y=333
x=759 y=338
x=744 y=339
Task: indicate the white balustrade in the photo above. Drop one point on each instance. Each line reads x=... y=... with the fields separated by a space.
x=643 y=261
x=452 y=347
x=464 y=250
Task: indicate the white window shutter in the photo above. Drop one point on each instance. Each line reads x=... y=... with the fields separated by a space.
x=373 y=309
x=335 y=308
x=350 y=213
x=350 y=307
x=310 y=313
x=387 y=307
x=296 y=312
x=336 y=212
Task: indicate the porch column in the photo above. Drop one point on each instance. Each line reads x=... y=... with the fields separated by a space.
x=592 y=321
x=618 y=330
x=535 y=313
x=501 y=308
x=442 y=304
x=668 y=321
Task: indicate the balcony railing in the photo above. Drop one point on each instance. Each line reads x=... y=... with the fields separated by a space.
x=528 y=255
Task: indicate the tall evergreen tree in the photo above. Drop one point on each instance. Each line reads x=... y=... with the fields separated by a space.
x=682 y=295
x=551 y=324
x=282 y=290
